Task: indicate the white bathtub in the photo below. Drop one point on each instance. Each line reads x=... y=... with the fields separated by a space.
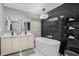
x=47 y=47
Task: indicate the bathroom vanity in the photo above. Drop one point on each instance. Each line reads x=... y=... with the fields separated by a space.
x=12 y=44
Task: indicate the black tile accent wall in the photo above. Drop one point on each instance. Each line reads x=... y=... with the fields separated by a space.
x=68 y=10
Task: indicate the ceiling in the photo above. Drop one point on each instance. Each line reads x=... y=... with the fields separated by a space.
x=35 y=8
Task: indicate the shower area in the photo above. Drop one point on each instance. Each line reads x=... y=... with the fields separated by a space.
x=49 y=28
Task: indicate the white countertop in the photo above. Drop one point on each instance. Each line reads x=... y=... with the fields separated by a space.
x=28 y=34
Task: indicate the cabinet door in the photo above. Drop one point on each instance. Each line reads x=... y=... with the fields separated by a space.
x=30 y=41
x=24 y=44
x=15 y=44
x=5 y=45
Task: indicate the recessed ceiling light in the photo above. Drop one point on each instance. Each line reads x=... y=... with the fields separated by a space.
x=43 y=9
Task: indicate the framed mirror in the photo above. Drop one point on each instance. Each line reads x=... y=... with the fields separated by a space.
x=26 y=26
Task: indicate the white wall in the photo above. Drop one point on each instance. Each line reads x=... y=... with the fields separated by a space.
x=24 y=16
x=1 y=19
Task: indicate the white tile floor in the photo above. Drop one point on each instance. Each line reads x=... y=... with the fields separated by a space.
x=30 y=52
x=23 y=53
x=33 y=52
x=37 y=53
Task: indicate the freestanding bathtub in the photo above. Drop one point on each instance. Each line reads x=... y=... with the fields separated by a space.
x=47 y=47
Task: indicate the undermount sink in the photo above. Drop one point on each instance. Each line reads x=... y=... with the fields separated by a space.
x=15 y=34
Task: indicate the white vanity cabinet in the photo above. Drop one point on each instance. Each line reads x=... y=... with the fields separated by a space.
x=16 y=43
x=30 y=41
x=23 y=43
x=6 y=46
